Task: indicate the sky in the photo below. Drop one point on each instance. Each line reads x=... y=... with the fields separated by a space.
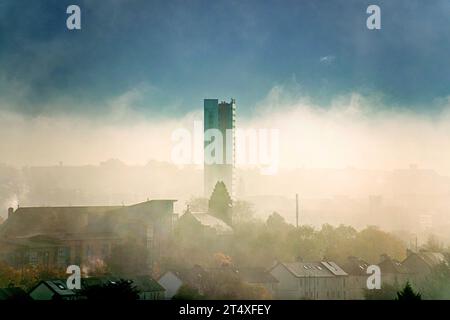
x=140 y=68
x=179 y=52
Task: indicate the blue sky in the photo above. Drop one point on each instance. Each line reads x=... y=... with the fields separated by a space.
x=178 y=52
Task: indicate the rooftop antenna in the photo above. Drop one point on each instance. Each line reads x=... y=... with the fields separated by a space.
x=296 y=210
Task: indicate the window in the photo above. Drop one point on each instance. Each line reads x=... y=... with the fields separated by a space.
x=89 y=251
x=105 y=250
x=33 y=258
x=62 y=256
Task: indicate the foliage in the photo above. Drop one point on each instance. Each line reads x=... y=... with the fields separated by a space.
x=27 y=277
x=437 y=284
x=387 y=292
x=243 y=211
x=225 y=284
x=186 y=292
x=433 y=244
x=407 y=293
x=220 y=203
x=122 y=290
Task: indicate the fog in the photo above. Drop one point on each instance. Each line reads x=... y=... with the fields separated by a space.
x=355 y=161
x=354 y=131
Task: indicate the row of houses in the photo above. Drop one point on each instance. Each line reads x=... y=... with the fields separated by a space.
x=61 y=236
x=56 y=289
x=325 y=280
x=165 y=288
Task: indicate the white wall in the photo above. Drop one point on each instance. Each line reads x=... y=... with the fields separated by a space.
x=171 y=283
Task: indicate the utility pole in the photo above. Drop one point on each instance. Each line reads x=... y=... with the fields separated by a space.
x=296 y=210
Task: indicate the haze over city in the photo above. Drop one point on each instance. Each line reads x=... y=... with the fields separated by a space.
x=88 y=123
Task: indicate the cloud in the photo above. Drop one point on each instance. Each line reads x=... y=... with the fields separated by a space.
x=327 y=59
x=355 y=130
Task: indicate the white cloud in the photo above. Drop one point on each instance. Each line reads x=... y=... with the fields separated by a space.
x=327 y=59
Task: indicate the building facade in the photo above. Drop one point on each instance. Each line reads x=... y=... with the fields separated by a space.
x=310 y=281
x=55 y=237
x=219 y=158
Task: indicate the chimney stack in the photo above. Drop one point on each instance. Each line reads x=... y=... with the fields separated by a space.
x=10 y=212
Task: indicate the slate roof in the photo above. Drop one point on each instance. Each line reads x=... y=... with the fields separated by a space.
x=147 y=284
x=314 y=269
x=256 y=275
x=26 y=221
x=38 y=220
x=97 y=281
x=190 y=275
x=431 y=258
x=210 y=221
x=389 y=265
x=355 y=266
x=58 y=286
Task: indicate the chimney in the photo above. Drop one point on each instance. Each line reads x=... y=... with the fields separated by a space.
x=409 y=252
x=384 y=257
x=10 y=212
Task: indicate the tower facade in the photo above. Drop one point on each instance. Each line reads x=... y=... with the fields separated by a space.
x=219 y=117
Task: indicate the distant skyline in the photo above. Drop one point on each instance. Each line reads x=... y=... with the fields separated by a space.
x=175 y=53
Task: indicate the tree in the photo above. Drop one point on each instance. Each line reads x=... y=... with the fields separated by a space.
x=186 y=292
x=387 y=292
x=408 y=293
x=122 y=290
x=28 y=276
x=220 y=204
x=372 y=242
x=243 y=211
x=433 y=244
x=276 y=221
x=437 y=284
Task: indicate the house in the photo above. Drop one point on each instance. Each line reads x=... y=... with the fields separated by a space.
x=356 y=269
x=85 y=236
x=258 y=276
x=196 y=277
x=420 y=264
x=323 y=280
x=393 y=272
x=13 y=294
x=171 y=283
x=149 y=288
x=216 y=221
x=52 y=290
x=204 y=224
